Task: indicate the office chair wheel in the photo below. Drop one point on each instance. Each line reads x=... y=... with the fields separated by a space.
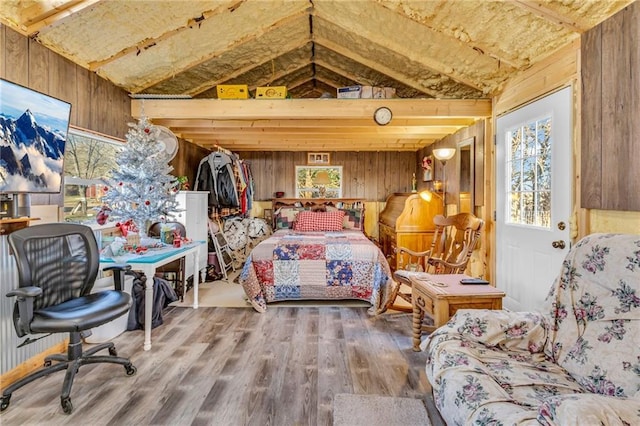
x=113 y=351
x=67 y=406
x=5 y=402
x=131 y=369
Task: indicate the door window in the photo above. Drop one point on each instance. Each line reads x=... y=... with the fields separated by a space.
x=529 y=170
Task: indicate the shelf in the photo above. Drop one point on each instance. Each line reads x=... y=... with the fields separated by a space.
x=8 y=226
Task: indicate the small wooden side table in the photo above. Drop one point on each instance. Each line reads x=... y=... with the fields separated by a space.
x=440 y=296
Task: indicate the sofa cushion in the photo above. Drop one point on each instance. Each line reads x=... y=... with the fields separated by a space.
x=595 y=307
x=482 y=360
x=589 y=409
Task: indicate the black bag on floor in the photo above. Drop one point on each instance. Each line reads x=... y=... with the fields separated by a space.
x=163 y=295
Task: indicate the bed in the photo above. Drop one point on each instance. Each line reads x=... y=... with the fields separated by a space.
x=316 y=255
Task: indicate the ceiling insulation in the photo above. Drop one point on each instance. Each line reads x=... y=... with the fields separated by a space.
x=437 y=49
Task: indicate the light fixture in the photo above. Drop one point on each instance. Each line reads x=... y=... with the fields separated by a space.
x=322 y=179
x=427 y=195
x=444 y=154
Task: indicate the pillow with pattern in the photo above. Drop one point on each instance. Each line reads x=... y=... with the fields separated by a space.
x=286 y=216
x=319 y=221
x=353 y=218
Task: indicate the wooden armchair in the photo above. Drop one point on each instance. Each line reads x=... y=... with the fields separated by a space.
x=454 y=240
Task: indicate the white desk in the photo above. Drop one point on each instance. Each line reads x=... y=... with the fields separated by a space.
x=148 y=263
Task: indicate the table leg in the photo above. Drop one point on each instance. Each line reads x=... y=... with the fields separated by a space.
x=196 y=276
x=149 y=272
x=418 y=317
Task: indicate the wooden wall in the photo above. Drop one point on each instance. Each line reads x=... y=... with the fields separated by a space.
x=369 y=175
x=96 y=104
x=611 y=112
x=187 y=160
x=477 y=131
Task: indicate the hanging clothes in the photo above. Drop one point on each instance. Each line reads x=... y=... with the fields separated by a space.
x=216 y=175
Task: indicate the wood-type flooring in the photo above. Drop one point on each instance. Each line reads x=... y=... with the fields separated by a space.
x=234 y=366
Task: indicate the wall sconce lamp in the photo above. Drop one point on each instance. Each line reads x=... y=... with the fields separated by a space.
x=322 y=179
x=444 y=154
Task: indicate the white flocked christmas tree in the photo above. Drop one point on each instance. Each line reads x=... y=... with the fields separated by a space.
x=141 y=188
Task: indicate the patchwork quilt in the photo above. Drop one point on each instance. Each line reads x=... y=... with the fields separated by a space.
x=293 y=265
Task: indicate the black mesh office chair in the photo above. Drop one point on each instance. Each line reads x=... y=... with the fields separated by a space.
x=57 y=266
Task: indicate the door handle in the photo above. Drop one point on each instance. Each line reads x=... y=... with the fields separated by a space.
x=558 y=244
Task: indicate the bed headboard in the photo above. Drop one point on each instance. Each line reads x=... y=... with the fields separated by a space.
x=286 y=209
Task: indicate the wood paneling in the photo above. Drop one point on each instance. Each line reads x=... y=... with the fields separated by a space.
x=610 y=110
x=96 y=104
x=368 y=175
x=476 y=131
x=187 y=160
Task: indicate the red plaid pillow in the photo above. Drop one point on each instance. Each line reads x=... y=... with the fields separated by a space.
x=319 y=221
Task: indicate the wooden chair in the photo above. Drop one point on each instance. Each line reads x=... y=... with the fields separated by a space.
x=454 y=240
x=173 y=271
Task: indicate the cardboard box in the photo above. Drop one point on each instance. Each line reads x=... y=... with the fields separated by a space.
x=275 y=92
x=366 y=92
x=349 y=92
x=232 y=91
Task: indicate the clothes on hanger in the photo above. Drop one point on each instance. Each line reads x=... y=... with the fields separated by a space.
x=228 y=180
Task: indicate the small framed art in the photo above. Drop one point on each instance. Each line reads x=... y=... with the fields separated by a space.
x=318 y=158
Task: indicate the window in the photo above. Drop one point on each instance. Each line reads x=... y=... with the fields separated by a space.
x=529 y=170
x=318 y=181
x=89 y=157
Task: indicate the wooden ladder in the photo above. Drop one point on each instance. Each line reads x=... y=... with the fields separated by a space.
x=224 y=254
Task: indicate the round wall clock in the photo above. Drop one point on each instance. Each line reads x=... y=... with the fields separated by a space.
x=382 y=116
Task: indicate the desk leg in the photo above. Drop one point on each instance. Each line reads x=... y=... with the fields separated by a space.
x=196 y=276
x=149 y=272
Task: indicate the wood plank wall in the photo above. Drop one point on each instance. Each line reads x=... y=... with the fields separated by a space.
x=96 y=104
x=610 y=111
x=369 y=175
x=477 y=131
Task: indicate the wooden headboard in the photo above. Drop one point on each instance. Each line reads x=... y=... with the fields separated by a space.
x=318 y=203
x=321 y=204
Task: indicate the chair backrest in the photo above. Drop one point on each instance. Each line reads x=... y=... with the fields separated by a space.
x=454 y=239
x=61 y=258
x=155 y=229
x=593 y=309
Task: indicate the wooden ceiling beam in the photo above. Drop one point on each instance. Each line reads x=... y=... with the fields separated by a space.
x=307 y=108
x=45 y=18
x=187 y=124
x=341 y=134
x=539 y=9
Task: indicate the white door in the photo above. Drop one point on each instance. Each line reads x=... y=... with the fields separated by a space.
x=533 y=198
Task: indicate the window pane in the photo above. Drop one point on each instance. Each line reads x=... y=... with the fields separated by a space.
x=89 y=158
x=529 y=170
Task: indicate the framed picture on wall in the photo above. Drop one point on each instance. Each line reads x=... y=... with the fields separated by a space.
x=318 y=181
x=318 y=158
x=427 y=168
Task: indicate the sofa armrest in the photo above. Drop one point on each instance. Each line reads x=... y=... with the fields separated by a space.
x=589 y=409
x=514 y=331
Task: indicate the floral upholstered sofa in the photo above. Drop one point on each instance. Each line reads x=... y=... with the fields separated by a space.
x=577 y=363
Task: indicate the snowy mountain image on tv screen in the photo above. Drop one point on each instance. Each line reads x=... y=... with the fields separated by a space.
x=33 y=135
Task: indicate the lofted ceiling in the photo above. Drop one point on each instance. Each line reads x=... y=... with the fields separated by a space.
x=458 y=52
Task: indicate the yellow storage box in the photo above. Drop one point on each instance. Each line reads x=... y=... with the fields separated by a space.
x=271 y=92
x=232 y=91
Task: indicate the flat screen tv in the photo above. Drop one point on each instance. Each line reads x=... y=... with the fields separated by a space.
x=33 y=136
